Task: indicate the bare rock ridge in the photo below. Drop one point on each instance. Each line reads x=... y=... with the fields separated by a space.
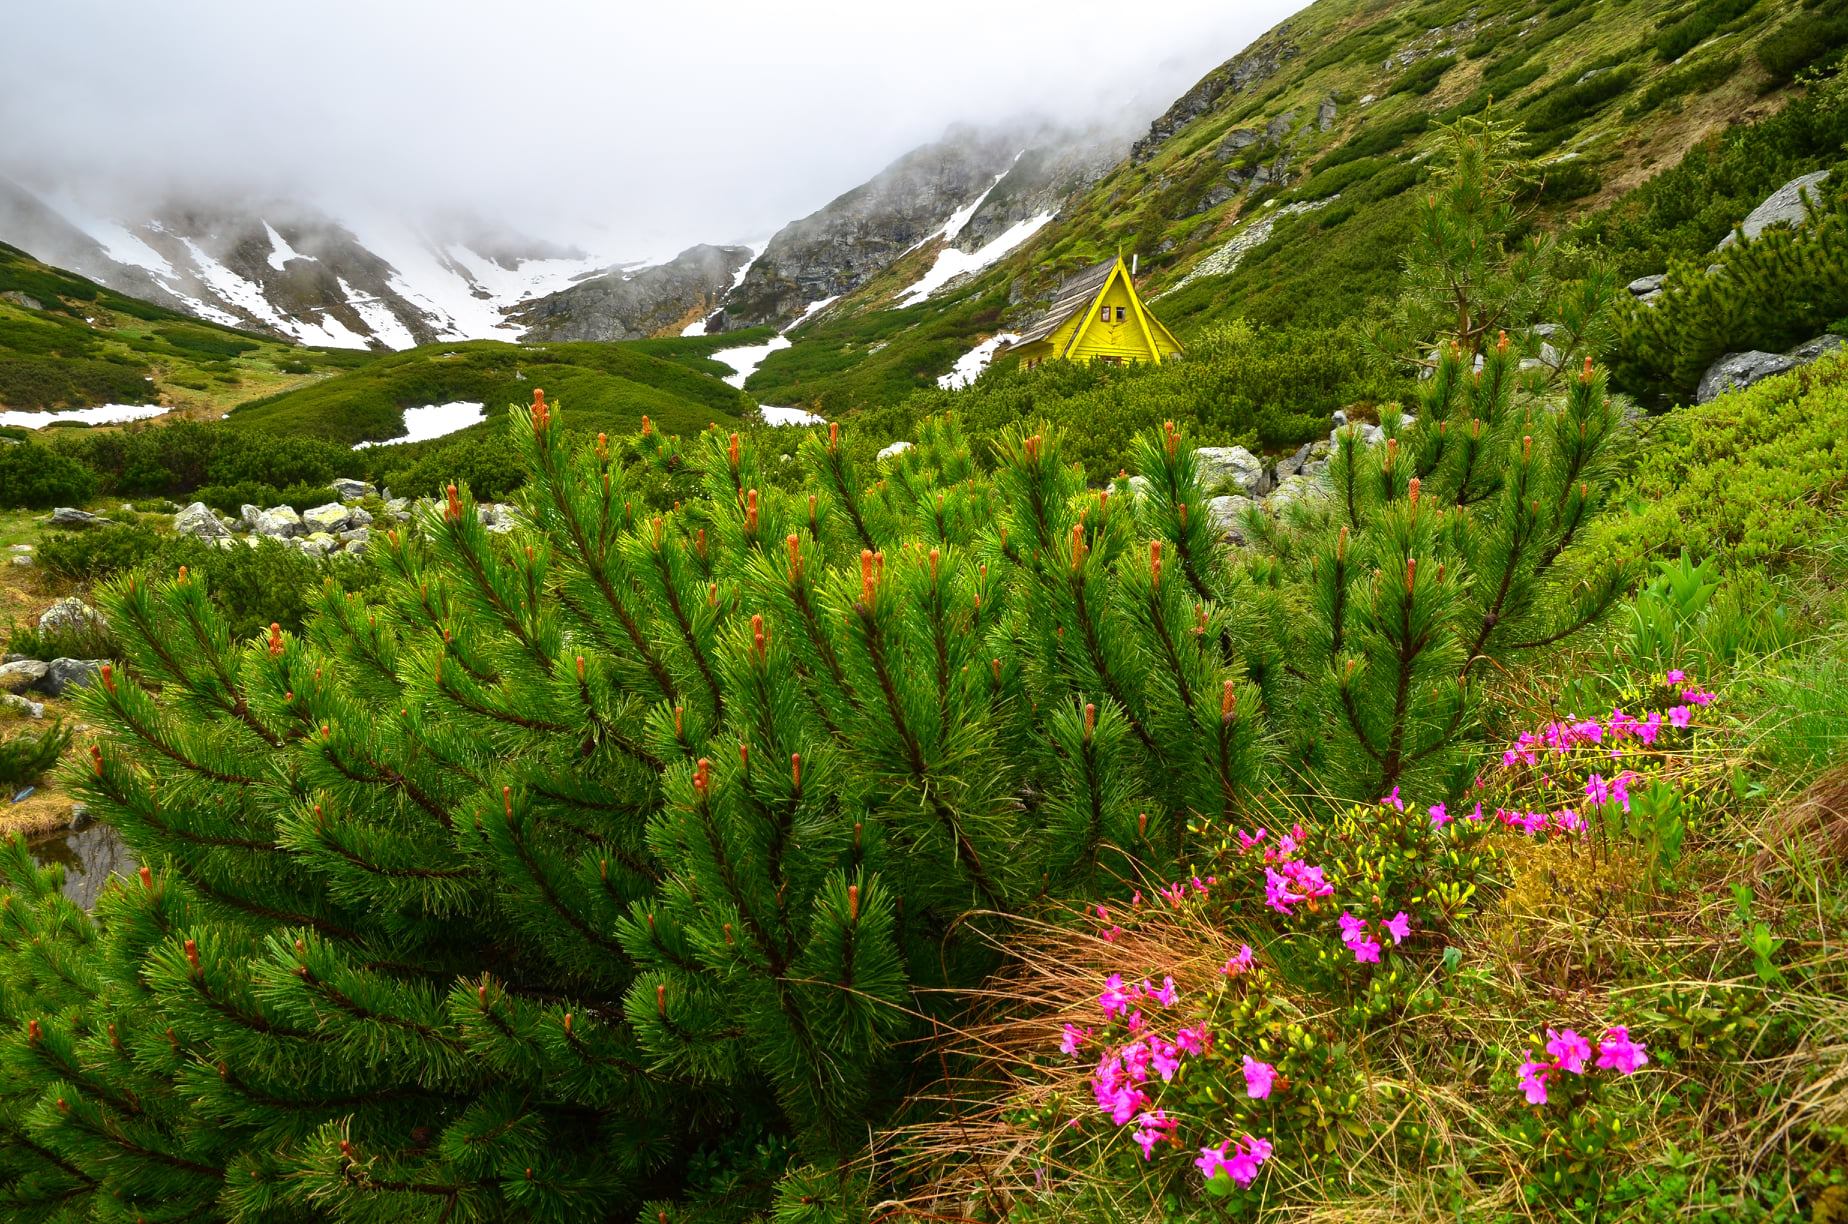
x=840 y=246
x=632 y=305
x=1252 y=66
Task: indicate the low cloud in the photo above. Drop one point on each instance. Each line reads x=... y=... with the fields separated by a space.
x=626 y=128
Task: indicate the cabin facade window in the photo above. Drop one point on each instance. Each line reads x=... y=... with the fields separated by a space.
x=1120 y=313
x=1103 y=314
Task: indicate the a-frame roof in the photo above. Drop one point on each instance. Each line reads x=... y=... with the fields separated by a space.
x=1075 y=293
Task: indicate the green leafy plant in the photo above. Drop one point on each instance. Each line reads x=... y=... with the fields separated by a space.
x=27 y=756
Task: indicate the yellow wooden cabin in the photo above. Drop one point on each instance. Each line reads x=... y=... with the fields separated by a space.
x=1096 y=316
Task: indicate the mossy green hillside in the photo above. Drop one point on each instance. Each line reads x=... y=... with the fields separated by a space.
x=67 y=342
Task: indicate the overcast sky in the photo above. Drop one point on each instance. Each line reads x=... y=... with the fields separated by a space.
x=640 y=125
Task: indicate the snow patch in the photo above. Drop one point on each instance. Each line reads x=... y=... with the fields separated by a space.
x=788 y=416
x=811 y=310
x=385 y=326
x=434 y=421
x=952 y=263
x=101 y=414
x=745 y=359
x=280 y=250
x=970 y=365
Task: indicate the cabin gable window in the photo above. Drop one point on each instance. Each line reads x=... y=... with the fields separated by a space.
x=1103 y=314
x=1120 y=313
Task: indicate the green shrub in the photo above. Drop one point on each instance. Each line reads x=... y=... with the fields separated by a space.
x=1809 y=39
x=1700 y=24
x=1698 y=77
x=1422 y=77
x=74 y=382
x=37 y=477
x=1778 y=289
x=89 y=640
x=99 y=553
x=27 y=756
x=1755 y=477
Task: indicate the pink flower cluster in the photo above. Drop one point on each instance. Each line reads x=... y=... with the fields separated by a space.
x=1122 y=1071
x=1568 y=1053
x=1288 y=881
x=1365 y=948
x=1175 y=894
x=1240 y=1163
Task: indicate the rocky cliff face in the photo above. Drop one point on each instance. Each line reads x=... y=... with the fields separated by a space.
x=1058 y=166
x=840 y=246
x=632 y=305
x=1255 y=64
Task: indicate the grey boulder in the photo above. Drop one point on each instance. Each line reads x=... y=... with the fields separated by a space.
x=1228 y=469
x=1782 y=207
x=70 y=613
x=280 y=522
x=62 y=675
x=352 y=490
x=22 y=675
x=70 y=516
x=19 y=707
x=1736 y=371
x=1227 y=512
x=198 y=520
x=329 y=518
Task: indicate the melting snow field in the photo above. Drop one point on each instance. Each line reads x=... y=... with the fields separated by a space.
x=434 y=421
x=970 y=365
x=788 y=416
x=952 y=263
x=747 y=357
x=102 y=414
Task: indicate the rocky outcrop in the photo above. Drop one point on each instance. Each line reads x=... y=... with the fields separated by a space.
x=1058 y=166
x=198 y=520
x=842 y=245
x=624 y=304
x=69 y=516
x=1256 y=64
x=71 y=613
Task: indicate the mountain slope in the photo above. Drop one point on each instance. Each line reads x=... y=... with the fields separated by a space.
x=1276 y=188
x=663 y=299
x=67 y=342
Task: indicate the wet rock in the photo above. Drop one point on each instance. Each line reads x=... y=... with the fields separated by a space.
x=79 y=817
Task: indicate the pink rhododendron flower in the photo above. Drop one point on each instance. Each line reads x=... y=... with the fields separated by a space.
x=1174 y=894
x=1393 y=800
x=1676 y=676
x=1109 y=934
x=1570 y=1049
x=1075 y=1038
x=1439 y=816
x=1533 y=1079
x=1238 y=964
x=1114 y=1000
x=1400 y=926
x=1164 y=1058
x=1597 y=789
x=1277 y=892
x=1240 y=1163
x=1680 y=716
x=1167 y=996
x=1699 y=697
x=1194 y=1039
x=1476 y=814
x=1567 y=820
x=1259 y=1076
x=1620 y=789
x=1152 y=1129
x=1618 y=1053
x=1366 y=951
x=1351 y=927
x=1247 y=840
x=1649 y=728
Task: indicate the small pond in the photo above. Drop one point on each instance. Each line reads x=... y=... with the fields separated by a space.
x=89 y=856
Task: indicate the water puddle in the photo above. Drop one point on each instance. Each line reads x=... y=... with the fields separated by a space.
x=89 y=857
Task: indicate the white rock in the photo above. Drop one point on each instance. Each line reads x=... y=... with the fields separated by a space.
x=279 y=521
x=1228 y=469
x=1782 y=207
x=70 y=613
